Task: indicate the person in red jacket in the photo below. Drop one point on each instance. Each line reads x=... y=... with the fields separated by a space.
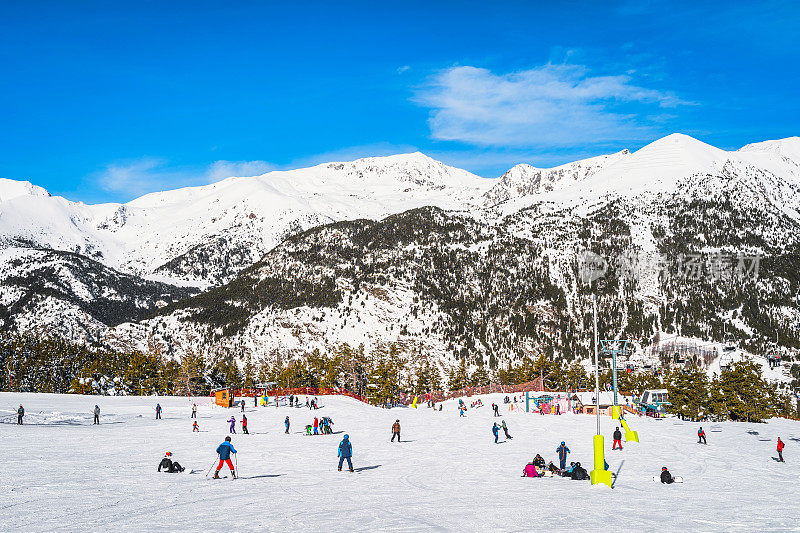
x=780 y=450
x=316 y=426
x=701 y=436
x=244 y=425
x=195 y=427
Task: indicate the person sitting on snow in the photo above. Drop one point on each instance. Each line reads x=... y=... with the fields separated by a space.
x=579 y=473
x=169 y=465
x=530 y=470
x=666 y=477
x=538 y=461
x=568 y=471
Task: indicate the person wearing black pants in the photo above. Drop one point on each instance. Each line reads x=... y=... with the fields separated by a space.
x=20 y=414
x=96 y=414
x=396 y=430
x=701 y=436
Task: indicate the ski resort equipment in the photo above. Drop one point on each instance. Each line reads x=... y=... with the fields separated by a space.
x=599 y=474
x=414 y=403
x=653 y=401
x=630 y=436
x=613 y=348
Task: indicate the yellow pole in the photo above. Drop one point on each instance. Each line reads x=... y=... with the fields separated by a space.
x=599 y=474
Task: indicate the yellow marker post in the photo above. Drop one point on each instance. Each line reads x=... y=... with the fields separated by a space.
x=615 y=412
x=599 y=474
x=414 y=404
x=630 y=436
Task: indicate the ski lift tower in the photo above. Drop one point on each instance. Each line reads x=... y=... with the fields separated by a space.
x=613 y=348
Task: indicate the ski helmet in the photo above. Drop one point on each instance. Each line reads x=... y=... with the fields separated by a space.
x=346 y=437
x=228 y=439
x=562 y=443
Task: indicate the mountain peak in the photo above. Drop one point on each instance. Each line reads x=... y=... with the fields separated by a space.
x=10 y=189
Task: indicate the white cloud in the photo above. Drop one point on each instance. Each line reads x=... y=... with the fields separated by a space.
x=403 y=68
x=551 y=105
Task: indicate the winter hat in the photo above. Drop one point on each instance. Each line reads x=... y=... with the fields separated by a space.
x=228 y=439
x=168 y=454
x=663 y=468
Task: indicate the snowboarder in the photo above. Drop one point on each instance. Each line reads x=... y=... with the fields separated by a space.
x=96 y=414
x=496 y=431
x=666 y=477
x=224 y=451
x=194 y=410
x=562 y=455
x=158 y=411
x=701 y=436
x=169 y=465
x=505 y=429
x=345 y=452
x=396 y=430
x=244 y=425
x=286 y=423
x=780 y=450
x=316 y=426
x=233 y=425
x=617 y=439
x=20 y=414
x=195 y=427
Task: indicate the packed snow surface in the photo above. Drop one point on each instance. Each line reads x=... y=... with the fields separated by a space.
x=63 y=473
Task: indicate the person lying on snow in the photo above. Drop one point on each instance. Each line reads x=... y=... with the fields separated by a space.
x=169 y=465
x=666 y=477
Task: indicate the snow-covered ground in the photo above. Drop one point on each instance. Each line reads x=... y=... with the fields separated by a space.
x=63 y=473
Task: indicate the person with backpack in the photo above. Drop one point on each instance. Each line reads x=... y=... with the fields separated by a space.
x=617 y=439
x=562 y=455
x=496 y=432
x=780 y=450
x=170 y=466
x=345 y=453
x=505 y=429
x=701 y=436
x=224 y=452
x=158 y=411
x=96 y=414
x=396 y=430
x=20 y=414
x=666 y=477
x=244 y=425
x=286 y=423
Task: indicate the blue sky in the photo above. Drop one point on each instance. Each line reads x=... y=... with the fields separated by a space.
x=106 y=101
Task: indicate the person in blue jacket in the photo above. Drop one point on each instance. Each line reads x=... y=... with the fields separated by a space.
x=158 y=411
x=224 y=451
x=286 y=423
x=496 y=431
x=345 y=452
x=562 y=454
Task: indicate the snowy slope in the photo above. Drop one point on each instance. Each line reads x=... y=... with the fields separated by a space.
x=447 y=475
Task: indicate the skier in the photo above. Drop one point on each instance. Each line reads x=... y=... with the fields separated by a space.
x=244 y=425
x=195 y=427
x=316 y=426
x=505 y=429
x=396 y=430
x=701 y=436
x=20 y=414
x=286 y=423
x=496 y=409
x=617 y=439
x=345 y=452
x=169 y=465
x=462 y=411
x=307 y=404
x=194 y=410
x=158 y=411
x=562 y=455
x=666 y=477
x=291 y=400
x=780 y=450
x=496 y=432
x=96 y=414
x=242 y=406
x=224 y=451
x=233 y=425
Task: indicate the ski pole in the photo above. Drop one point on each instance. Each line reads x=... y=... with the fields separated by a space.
x=212 y=466
x=236 y=460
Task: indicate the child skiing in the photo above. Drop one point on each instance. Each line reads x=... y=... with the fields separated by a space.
x=20 y=414
x=496 y=431
x=396 y=430
x=780 y=450
x=96 y=414
x=345 y=452
x=195 y=427
x=562 y=455
x=701 y=436
x=244 y=425
x=158 y=411
x=617 y=439
x=286 y=423
x=224 y=451
x=233 y=425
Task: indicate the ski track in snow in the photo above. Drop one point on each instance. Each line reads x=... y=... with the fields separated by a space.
x=63 y=473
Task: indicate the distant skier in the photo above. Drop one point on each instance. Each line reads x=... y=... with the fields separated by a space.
x=396 y=430
x=286 y=423
x=224 y=451
x=316 y=426
x=496 y=409
x=780 y=450
x=562 y=455
x=244 y=425
x=195 y=427
x=666 y=477
x=20 y=414
x=462 y=411
x=496 y=431
x=345 y=452
x=158 y=411
x=194 y=410
x=96 y=414
x=169 y=465
x=505 y=429
x=242 y=404
x=617 y=439
x=307 y=404
x=233 y=425
x=701 y=436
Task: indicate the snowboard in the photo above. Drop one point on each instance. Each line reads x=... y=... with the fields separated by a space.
x=678 y=479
